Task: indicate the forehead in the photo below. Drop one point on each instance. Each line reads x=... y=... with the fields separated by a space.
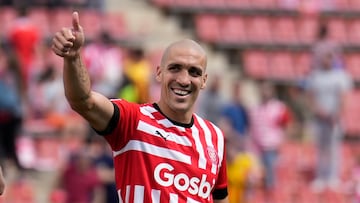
x=186 y=55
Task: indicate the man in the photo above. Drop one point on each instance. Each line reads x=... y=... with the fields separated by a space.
x=2 y=182
x=163 y=152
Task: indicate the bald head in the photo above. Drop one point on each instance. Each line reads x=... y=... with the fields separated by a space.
x=186 y=44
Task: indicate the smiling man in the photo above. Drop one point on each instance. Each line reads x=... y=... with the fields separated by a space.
x=163 y=152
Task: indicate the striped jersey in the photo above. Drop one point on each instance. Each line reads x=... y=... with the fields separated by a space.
x=158 y=160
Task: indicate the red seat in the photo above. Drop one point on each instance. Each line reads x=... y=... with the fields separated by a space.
x=307 y=29
x=7 y=17
x=115 y=24
x=238 y=3
x=352 y=64
x=354 y=32
x=212 y=3
x=40 y=17
x=186 y=3
x=91 y=21
x=342 y=5
x=302 y=64
x=259 y=29
x=233 y=29
x=281 y=66
x=60 y=18
x=337 y=30
x=350 y=116
x=256 y=64
x=208 y=27
x=264 y=4
x=284 y=30
x=354 y=5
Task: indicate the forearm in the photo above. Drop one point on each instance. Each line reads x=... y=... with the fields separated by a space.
x=77 y=83
x=2 y=182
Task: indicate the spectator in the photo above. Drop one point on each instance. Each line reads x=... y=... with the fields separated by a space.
x=234 y=116
x=322 y=46
x=268 y=122
x=105 y=64
x=210 y=102
x=137 y=69
x=25 y=38
x=10 y=108
x=325 y=88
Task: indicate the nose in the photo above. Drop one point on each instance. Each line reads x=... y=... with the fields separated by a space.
x=183 y=78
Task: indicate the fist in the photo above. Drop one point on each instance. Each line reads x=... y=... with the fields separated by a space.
x=68 y=41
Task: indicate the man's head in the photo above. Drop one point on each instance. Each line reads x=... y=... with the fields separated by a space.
x=182 y=75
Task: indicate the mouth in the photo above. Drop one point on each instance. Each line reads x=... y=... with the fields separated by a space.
x=181 y=92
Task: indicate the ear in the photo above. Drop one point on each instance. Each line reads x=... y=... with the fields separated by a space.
x=158 y=73
x=204 y=81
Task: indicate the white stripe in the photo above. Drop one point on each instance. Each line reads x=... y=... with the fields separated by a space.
x=120 y=198
x=174 y=198
x=139 y=194
x=149 y=110
x=208 y=140
x=127 y=195
x=220 y=139
x=155 y=196
x=150 y=129
x=199 y=147
x=189 y=200
x=154 y=150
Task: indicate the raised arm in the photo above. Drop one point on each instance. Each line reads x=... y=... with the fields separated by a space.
x=94 y=107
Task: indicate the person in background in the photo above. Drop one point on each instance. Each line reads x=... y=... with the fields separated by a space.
x=268 y=123
x=325 y=89
x=210 y=102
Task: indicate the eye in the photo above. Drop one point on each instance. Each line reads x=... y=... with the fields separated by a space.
x=195 y=72
x=174 y=67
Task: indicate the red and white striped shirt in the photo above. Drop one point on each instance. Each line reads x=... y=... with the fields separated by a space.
x=158 y=160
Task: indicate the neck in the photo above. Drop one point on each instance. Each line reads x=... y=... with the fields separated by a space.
x=179 y=118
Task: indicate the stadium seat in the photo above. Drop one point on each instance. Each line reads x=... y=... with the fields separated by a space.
x=115 y=24
x=233 y=29
x=7 y=16
x=354 y=5
x=40 y=17
x=342 y=5
x=259 y=30
x=255 y=63
x=350 y=116
x=60 y=18
x=238 y=4
x=208 y=27
x=354 y=32
x=218 y=4
x=284 y=30
x=186 y=3
x=91 y=22
x=337 y=30
x=307 y=29
x=302 y=64
x=264 y=4
x=281 y=66
x=352 y=64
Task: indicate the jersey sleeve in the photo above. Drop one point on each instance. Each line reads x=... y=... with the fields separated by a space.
x=220 y=190
x=123 y=123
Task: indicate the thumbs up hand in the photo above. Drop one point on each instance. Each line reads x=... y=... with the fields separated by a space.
x=68 y=41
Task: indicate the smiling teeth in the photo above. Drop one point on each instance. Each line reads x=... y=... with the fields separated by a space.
x=181 y=92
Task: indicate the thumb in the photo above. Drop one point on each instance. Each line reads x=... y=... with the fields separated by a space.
x=75 y=21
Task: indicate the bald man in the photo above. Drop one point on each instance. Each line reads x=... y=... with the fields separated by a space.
x=163 y=152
